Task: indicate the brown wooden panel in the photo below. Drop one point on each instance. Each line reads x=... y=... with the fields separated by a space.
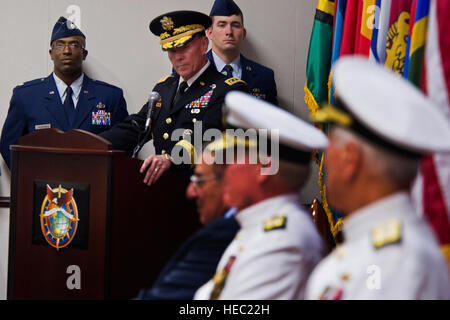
x=148 y=225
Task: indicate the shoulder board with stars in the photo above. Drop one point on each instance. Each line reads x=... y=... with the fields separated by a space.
x=386 y=233
x=164 y=79
x=232 y=81
x=277 y=222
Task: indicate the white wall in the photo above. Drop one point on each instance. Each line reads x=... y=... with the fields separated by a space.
x=122 y=51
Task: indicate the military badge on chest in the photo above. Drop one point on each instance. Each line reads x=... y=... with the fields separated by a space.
x=201 y=102
x=100 y=117
x=256 y=92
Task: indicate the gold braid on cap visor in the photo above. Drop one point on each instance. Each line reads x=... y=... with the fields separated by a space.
x=230 y=141
x=179 y=36
x=331 y=114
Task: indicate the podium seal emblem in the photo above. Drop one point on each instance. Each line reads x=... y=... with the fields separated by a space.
x=59 y=217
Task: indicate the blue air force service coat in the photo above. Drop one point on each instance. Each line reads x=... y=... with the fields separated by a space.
x=260 y=79
x=37 y=105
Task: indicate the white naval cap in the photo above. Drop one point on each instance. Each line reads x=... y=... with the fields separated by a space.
x=297 y=137
x=386 y=108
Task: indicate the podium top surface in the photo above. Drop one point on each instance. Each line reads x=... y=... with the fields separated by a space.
x=75 y=139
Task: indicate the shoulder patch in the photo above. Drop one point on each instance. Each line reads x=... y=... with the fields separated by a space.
x=232 y=81
x=386 y=233
x=276 y=222
x=164 y=79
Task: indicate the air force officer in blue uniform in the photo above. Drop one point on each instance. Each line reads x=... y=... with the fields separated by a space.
x=227 y=33
x=67 y=99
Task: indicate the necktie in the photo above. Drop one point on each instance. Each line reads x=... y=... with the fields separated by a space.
x=68 y=104
x=229 y=70
x=181 y=90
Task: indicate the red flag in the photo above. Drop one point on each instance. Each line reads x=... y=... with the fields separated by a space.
x=349 y=30
x=433 y=189
x=397 y=35
x=365 y=26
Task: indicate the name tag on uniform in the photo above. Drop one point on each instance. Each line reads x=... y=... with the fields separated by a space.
x=42 y=126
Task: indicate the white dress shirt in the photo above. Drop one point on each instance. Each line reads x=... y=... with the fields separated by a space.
x=236 y=64
x=76 y=87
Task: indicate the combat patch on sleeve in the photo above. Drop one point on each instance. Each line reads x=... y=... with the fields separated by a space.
x=277 y=222
x=165 y=78
x=386 y=233
x=232 y=81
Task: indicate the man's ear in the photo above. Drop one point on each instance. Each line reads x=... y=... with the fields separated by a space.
x=205 y=43
x=50 y=53
x=85 y=53
x=244 y=34
x=209 y=33
x=352 y=159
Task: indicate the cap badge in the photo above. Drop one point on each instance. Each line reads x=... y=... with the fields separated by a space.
x=167 y=23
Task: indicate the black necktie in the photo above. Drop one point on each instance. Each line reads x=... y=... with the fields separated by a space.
x=68 y=104
x=229 y=70
x=181 y=90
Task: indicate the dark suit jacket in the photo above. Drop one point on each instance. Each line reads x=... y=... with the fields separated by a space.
x=194 y=263
x=201 y=102
x=260 y=79
x=36 y=104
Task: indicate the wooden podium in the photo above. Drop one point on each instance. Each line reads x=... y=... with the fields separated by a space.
x=125 y=232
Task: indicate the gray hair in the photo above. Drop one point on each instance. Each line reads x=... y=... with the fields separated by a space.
x=398 y=169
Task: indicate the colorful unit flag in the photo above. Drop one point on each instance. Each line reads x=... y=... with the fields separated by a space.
x=319 y=56
x=397 y=35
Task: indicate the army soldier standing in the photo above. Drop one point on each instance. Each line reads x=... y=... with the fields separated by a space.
x=383 y=125
x=67 y=99
x=278 y=244
x=195 y=94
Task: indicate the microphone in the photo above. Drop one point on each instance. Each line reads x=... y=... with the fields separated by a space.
x=152 y=100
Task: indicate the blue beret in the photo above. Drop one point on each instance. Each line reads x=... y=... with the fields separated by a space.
x=65 y=28
x=224 y=8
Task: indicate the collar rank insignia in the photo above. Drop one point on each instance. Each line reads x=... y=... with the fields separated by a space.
x=201 y=102
x=59 y=217
x=277 y=222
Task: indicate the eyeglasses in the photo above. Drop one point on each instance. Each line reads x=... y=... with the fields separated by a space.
x=199 y=181
x=60 y=46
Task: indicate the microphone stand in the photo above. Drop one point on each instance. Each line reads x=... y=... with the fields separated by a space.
x=141 y=138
